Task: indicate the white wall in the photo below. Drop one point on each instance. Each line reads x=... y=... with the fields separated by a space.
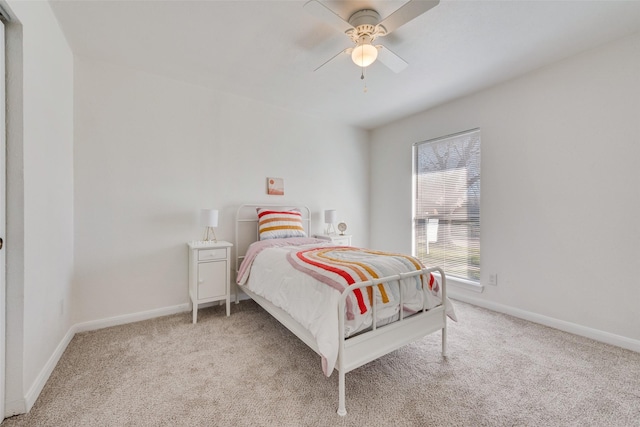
x=39 y=198
x=150 y=152
x=560 y=194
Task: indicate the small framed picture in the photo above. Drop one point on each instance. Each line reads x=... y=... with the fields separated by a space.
x=275 y=186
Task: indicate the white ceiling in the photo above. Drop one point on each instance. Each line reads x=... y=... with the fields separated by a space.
x=267 y=50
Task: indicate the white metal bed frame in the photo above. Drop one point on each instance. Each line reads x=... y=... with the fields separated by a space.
x=367 y=346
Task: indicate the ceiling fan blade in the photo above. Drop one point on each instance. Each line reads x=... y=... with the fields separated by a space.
x=391 y=60
x=322 y=12
x=410 y=10
x=347 y=50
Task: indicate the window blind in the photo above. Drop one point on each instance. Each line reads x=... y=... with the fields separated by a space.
x=447 y=203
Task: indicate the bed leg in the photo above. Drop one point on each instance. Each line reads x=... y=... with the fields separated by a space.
x=444 y=342
x=342 y=410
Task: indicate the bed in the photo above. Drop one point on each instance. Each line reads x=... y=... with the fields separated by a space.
x=350 y=305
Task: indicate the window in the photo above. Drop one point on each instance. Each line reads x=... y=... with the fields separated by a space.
x=447 y=204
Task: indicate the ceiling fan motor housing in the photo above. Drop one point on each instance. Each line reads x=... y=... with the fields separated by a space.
x=365 y=17
x=365 y=24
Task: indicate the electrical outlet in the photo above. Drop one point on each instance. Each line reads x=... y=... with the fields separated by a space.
x=493 y=279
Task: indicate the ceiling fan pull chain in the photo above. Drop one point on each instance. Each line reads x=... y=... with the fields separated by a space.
x=364 y=81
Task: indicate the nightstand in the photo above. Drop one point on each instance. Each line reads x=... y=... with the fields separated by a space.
x=336 y=239
x=209 y=273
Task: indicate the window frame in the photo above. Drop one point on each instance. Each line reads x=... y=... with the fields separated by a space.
x=465 y=282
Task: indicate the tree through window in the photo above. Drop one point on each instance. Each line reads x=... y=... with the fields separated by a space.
x=447 y=204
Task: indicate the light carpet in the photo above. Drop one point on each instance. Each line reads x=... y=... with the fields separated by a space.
x=248 y=370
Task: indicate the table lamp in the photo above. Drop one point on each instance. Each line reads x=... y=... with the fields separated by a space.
x=330 y=217
x=209 y=219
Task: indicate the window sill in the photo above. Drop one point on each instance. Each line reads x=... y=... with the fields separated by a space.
x=467 y=285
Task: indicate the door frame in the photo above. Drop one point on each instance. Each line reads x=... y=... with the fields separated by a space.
x=3 y=221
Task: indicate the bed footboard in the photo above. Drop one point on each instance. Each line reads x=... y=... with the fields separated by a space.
x=363 y=348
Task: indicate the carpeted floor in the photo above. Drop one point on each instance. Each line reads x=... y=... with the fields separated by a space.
x=248 y=370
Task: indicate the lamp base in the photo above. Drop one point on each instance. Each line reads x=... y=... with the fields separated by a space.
x=330 y=229
x=210 y=235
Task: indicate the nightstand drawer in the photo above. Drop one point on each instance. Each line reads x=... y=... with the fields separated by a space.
x=211 y=254
x=344 y=241
x=336 y=239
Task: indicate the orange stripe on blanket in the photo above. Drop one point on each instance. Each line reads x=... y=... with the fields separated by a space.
x=354 y=266
x=409 y=258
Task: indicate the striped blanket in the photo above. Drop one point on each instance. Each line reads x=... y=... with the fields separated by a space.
x=341 y=266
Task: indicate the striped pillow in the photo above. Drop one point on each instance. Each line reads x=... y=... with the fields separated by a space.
x=280 y=224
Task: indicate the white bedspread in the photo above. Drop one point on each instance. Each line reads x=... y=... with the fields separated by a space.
x=267 y=272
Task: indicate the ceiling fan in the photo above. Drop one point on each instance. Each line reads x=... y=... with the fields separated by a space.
x=365 y=26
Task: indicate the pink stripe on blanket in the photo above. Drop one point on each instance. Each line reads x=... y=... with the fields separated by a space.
x=324 y=279
x=257 y=247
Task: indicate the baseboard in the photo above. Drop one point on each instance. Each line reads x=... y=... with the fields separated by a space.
x=573 y=328
x=22 y=406
x=14 y=407
x=41 y=380
x=242 y=296
x=130 y=318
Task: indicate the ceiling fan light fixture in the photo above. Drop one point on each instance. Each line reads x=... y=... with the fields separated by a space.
x=364 y=54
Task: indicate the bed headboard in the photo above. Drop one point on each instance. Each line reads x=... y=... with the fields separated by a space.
x=247 y=225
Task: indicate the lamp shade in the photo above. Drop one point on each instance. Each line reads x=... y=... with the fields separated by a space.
x=209 y=217
x=330 y=216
